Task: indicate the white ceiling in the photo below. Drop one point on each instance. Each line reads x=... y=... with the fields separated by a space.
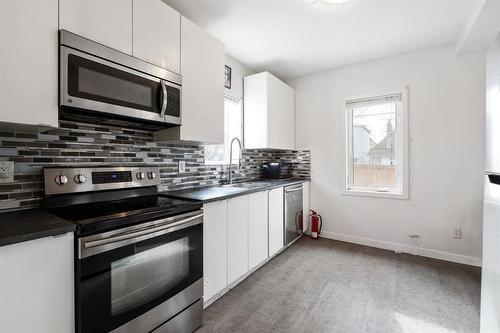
x=292 y=38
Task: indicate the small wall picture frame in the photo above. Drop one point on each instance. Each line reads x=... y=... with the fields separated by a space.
x=227 y=77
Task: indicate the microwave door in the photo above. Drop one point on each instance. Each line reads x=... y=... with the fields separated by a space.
x=95 y=84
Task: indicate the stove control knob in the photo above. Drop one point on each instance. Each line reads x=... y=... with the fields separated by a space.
x=151 y=175
x=140 y=175
x=61 y=180
x=80 y=179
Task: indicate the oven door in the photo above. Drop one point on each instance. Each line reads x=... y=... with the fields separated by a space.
x=136 y=278
x=98 y=85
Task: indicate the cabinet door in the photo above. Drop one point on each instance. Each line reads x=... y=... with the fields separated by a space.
x=157 y=34
x=255 y=101
x=202 y=62
x=269 y=112
x=276 y=221
x=305 y=205
x=257 y=228
x=37 y=286
x=237 y=238
x=281 y=115
x=28 y=62
x=107 y=22
x=214 y=248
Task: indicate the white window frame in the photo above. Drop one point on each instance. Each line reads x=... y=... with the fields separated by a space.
x=403 y=162
x=227 y=140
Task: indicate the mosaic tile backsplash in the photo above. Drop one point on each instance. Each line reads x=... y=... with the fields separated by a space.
x=86 y=144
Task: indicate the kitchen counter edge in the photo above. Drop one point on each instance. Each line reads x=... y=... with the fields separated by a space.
x=183 y=194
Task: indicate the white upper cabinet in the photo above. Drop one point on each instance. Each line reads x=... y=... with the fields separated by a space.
x=157 y=34
x=202 y=70
x=269 y=112
x=28 y=62
x=108 y=22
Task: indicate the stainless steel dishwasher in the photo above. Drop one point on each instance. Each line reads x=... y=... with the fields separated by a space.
x=293 y=213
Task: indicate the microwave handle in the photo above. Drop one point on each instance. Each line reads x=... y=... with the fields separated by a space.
x=165 y=98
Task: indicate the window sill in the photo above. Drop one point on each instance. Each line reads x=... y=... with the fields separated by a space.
x=376 y=194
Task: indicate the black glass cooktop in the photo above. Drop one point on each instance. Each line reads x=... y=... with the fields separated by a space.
x=95 y=217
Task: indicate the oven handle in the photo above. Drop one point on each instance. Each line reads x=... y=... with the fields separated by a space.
x=143 y=234
x=165 y=98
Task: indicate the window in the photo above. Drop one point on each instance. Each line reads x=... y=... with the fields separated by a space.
x=219 y=154
x=377 y=146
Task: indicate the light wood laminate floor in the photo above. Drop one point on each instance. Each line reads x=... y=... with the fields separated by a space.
x=332 y=286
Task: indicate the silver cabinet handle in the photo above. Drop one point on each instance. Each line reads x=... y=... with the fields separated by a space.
x=147 y=233
x=165 y=98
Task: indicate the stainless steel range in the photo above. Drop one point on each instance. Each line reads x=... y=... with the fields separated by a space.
x=138 y=255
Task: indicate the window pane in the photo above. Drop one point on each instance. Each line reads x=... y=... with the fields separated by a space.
x=375 y=137
x=214 y=153
x=233 y=127
x=219 y=154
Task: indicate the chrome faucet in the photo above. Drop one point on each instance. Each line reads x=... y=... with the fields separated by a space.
x=231 y=158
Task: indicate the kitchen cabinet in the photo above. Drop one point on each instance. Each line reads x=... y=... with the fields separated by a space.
x=237 y=238
x=215 y=230
x=107 y=22
x=202 y=68
x=37 y=286
x=239 y=234
x=305 y=205
x=269 y=112
x=157 y=34
x=29 y=62
x=257 y=229
x=276 y=215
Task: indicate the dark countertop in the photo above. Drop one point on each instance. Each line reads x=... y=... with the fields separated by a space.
x=216 y=193
x=24 y=225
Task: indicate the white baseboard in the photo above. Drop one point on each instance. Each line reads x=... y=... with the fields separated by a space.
x=424 y=252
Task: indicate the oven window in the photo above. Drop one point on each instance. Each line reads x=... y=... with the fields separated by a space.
x=98 y=82
x=140 y=278
x=118 y=285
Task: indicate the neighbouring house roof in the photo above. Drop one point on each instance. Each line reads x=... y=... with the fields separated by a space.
x=382 y=149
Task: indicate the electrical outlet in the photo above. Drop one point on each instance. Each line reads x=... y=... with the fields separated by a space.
x=182 y=166
x=6 y=172
x=457 y=233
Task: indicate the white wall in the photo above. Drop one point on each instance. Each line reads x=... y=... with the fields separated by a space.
x=490 y=284
x=446 y=110
x=238 y=72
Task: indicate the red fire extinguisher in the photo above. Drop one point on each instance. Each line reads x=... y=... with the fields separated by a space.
x=316 y=224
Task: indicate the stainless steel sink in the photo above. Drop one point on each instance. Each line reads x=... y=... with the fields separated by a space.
x=246 y=185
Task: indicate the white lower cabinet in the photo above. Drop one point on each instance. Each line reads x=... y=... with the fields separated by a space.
x=257 y=229
x=276 y=211
x=305 y=205
x=214 y=248
x=37 y=286
x=237 y=238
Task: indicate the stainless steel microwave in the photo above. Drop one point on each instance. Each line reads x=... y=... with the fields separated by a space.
x=103 y=85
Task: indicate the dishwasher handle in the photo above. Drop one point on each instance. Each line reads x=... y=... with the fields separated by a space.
x=293 y=189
